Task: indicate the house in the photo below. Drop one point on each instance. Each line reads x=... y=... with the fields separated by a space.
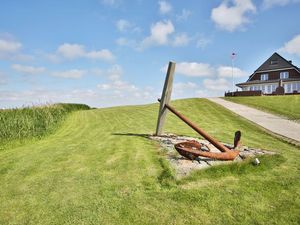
x=275 y=76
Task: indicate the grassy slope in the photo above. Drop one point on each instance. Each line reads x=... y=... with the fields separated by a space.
x=21 y=124
x=99 y=169
x=287 y=106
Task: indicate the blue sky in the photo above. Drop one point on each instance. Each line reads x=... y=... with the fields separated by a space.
x=114 y=52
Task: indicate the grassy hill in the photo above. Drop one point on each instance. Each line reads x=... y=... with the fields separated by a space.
x=284 y=105
x=98 y=168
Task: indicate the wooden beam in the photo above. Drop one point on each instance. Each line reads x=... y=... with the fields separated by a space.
x=165 y=98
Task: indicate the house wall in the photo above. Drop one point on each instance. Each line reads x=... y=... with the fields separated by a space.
x=269 y=88
x=274 y=75
x=266 y=88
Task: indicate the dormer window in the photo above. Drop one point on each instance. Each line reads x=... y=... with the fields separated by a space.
x=284 y=75
x=264 y=76
x=274 y=62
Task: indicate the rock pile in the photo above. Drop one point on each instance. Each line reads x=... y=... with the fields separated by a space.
x=184 y=166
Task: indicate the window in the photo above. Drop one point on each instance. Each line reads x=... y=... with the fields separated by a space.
x=274 y=62
x=264 y=76
x=288 y=88
x=274 y=86
x=284 y=75
x=294 y=87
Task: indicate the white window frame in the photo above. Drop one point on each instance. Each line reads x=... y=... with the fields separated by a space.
x=284 y=75
x=264 y=76
x=288 y=88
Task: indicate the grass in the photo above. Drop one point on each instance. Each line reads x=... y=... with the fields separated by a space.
x=98 y=168
x=33 y=122
x=284 y=105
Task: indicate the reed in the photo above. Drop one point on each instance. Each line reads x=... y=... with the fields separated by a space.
x=33 y=122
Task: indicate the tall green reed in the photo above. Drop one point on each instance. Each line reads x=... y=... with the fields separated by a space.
x=33 y=122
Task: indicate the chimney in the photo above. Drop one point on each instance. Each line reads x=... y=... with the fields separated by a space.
x=290 y=61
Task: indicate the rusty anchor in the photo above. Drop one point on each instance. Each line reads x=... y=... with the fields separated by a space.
x=193 y=149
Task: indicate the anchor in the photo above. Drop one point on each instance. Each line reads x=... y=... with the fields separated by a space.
x=192 y=149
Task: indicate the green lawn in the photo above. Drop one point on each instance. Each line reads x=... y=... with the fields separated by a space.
x=284 y=105
x=98 y=168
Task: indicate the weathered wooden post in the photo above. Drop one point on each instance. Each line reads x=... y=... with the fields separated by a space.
x=165 y=98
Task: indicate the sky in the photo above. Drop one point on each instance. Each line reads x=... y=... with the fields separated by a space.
x=115 y=52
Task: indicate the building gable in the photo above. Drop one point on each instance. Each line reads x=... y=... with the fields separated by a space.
x=275 y=63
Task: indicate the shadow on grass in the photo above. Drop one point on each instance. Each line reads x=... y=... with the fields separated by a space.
x=132 y=134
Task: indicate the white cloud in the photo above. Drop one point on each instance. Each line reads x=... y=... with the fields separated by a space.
x=270 y=3
x=226 y=72
x=103 y=54
x=129 y=93
x=93 y=97
x=74 y=73
x=96 y=71
x=126 y=42
x=9 y=46
x=3 y=78
x=198 y=69
x=164 y=7
x=160 y=33
x=181 y=40
x=184 y=89
x=185 y=14
x=202 y=42
x=40 y=96
x=185 y=86
x=28 y=69
x=292 y=46
x=233 y=16
x=219 y=84
x=11 y=49
x=126 y=26
x=114 y=92
x=119 y=87
x=74 y=51
x=71 y=51
x=111 y=2
x=123 y=25
x=194 y=69
x=115 y=72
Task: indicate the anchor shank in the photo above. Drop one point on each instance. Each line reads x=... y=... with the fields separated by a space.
x=213 y=141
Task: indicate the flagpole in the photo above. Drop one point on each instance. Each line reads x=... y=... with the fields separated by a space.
x=232 y=74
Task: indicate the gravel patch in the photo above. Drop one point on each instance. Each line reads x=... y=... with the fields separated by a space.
x=184 y=166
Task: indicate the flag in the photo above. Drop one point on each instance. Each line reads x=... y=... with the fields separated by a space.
x=233 y=55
